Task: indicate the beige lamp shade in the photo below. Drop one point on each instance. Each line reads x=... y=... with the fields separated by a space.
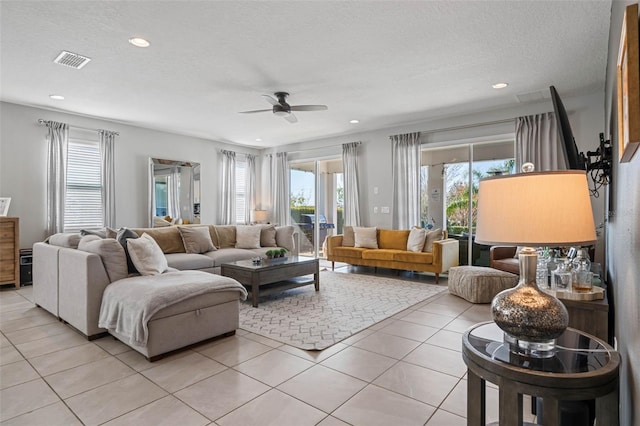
x=260 y=216
x=535 y=209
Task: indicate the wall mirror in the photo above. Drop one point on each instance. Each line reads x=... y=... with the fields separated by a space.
x=174 y=192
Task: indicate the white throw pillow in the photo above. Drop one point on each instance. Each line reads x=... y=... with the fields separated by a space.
x=366 y=237
x=111 y=253
x=146 y=255
x=248 y=237
x=417 y=236
x=196 y=239
x=435 y=235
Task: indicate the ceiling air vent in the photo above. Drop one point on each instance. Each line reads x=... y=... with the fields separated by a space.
x=538 y=95
x=71 y=60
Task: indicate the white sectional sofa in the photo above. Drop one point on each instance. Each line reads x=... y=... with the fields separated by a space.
x=70 y=283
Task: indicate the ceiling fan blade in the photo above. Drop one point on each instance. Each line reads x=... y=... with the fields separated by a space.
x=308 y=108
x=271 y=100
x=290 y=118
x=256 y=110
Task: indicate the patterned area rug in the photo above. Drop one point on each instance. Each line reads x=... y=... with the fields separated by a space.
x=345 y=305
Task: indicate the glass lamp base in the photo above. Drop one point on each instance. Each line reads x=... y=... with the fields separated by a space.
x=543 y=349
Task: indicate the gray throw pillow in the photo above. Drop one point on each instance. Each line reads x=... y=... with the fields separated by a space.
x=196 y=239
x=111 y=253
x=268 y=236
x=284 y=237
x=247 y=237
x=123 y=235
x=348 y=237
x=435 y=235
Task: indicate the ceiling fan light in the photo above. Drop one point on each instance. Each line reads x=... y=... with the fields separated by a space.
x=281 y=113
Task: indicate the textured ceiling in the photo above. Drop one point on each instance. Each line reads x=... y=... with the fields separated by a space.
x=385 y=63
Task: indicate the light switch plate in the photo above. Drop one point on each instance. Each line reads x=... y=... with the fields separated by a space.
x=385 y=210
x=375 y=210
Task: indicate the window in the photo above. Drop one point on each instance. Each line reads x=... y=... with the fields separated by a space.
x=83 y=203
x=241 y=190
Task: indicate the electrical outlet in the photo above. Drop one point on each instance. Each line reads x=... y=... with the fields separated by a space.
x=385 y=210
x=375 y=210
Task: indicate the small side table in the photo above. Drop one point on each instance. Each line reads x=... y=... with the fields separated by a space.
x=582 y=367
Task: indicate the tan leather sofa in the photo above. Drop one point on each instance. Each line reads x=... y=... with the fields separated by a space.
x=392 y=253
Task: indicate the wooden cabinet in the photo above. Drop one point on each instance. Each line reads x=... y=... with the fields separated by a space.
x=10 y=251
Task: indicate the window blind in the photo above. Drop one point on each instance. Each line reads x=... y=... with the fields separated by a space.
x=83 y=202
x=241 y=190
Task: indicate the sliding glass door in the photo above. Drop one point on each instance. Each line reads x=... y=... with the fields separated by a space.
x=316 y=201
x=450 y=178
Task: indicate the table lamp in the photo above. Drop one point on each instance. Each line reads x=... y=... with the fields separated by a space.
x=533 y=210
x=260 y=216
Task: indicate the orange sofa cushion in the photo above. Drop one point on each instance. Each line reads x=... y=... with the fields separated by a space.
x=393 y=239
x=355 y=252
x=414 y=257
x=379 y=254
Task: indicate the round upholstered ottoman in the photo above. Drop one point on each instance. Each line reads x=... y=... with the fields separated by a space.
x=478 y=284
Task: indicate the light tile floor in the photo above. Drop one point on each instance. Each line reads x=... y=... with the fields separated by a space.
x=407 y=369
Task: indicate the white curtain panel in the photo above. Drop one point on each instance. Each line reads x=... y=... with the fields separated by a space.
x=228 y=190
x=250 y=187
x=57 y=141
x=107 y=153
x=173 y=194
x=538 y=142
x=351 y=194
x=280 y=188
x=405 y=170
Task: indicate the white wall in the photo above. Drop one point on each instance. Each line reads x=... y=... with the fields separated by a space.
x=23 y=163
x=623 y=237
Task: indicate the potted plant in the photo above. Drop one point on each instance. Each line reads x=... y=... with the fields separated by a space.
x=270 y=254
x=283 y=252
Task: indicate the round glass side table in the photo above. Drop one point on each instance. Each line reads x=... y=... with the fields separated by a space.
x=582 y=367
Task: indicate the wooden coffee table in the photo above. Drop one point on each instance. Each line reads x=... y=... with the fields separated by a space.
x=273 y=276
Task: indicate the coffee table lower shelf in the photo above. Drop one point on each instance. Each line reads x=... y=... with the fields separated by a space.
x=280 y=286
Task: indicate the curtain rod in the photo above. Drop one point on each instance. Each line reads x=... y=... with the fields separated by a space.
x=468 y=126
x=425 y=132
x=41 y=121
x=316 y=148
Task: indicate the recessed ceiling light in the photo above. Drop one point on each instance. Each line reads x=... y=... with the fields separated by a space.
x=57 y=97
x=139 y=42
x=499 y=85
x=258 y=140
x=354 y=121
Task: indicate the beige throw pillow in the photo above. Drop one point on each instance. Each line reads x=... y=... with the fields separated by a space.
x=196 y=239
x=416 y=240
x=366 y=237
x=247 y=237
x=435 y=235
x=111 y=253
x=348 y=237
x=284 y=237
x=268 y=236
x=147 y=255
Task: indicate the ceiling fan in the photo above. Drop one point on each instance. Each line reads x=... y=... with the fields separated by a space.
x=282 y=109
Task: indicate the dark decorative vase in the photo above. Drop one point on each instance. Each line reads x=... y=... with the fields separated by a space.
x=531 y=318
